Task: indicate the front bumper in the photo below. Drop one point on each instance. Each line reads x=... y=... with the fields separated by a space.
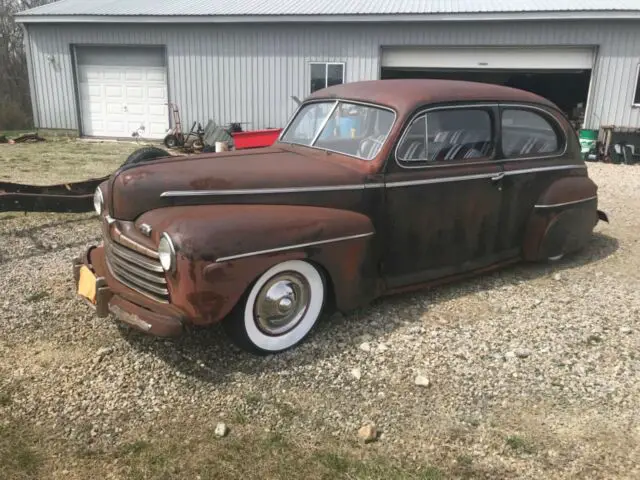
x=127 y=306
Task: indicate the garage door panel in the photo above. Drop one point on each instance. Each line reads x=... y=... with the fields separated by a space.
x=134 y=75
x=114 y=91
x=160 y=110
x=135 y=93
x=116 y=100
x=115 y=126
x=512 y=58
x=94 y=90
x=156 y=93
x=96 y=109
x=136 y=109
x=113 y=75
x=97 y=127
x=156 y=76
x=115 y=108
x=93 y=74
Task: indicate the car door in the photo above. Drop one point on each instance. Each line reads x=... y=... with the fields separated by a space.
x=442 y=196
x=534 y=152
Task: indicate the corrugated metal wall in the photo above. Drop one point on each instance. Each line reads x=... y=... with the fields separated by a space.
x=247 y=73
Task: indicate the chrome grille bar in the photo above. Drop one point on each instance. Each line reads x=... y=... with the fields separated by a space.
x=137 y=281
x=135 y=258
x=139 y=272
x=135 y=270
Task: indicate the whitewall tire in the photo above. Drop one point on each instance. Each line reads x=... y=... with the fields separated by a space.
x=280 y=308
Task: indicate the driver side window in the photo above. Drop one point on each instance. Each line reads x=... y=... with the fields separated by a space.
x=447 y=135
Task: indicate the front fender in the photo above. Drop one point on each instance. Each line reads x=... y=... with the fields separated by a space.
x=222 y=249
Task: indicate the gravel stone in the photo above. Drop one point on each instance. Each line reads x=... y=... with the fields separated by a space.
x=368 y=433
x=422 y=381
x=365 y=347
x=523 y=353
x=221 y=430
x=356 y=373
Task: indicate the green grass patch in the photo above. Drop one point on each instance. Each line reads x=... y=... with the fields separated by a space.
x=519 y=444
x=62 y=159
x=247 y=456
x=37 y=296
x=18 y=458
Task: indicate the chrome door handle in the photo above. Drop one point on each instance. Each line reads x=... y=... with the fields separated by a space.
x=498 y=177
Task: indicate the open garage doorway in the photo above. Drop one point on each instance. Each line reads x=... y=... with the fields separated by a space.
x=562 y=75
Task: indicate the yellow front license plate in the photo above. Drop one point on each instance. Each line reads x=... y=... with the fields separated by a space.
x=87 y=284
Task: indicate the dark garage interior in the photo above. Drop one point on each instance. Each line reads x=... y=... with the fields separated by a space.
x=567 y=89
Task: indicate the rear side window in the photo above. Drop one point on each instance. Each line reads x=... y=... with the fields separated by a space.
x=525 y=133
x=446 y=135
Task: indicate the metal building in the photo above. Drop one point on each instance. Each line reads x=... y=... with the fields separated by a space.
x=104 y=68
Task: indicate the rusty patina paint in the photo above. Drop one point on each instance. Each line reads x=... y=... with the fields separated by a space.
x=406 y=238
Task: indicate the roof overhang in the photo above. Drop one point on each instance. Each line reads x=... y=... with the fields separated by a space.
x=460 y=17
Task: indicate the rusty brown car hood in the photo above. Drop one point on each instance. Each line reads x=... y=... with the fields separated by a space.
x=209 y=178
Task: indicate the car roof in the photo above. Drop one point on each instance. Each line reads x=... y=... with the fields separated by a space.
x=406 y=95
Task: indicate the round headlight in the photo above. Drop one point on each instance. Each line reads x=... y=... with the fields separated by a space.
x=167 y=253
x=98 y=201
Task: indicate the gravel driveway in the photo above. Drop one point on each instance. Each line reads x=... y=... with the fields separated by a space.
x=531 y=372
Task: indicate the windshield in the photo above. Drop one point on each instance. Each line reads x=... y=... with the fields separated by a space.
x=343 y=127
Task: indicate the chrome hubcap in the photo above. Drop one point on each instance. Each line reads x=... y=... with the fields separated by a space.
x=281 y=303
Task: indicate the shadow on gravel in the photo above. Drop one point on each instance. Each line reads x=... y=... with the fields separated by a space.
x=208 y=355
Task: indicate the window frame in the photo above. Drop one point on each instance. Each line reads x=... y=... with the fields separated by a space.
x=636 y=90
x=490 y=108
x=336 y=102
x=557 y=127
x=326 y=73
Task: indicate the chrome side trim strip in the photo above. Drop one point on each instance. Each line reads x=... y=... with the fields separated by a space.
x=265 y=191
x=293 y=247
x=574 y=202
x=332 y=188
x=410 y=183
x=544 y=169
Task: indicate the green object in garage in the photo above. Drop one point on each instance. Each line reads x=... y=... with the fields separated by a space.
x=588 y=140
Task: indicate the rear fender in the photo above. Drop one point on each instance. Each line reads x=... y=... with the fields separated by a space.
x=223 y=249
x=562 y=219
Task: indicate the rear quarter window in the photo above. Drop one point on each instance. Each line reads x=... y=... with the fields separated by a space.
x=529 y=133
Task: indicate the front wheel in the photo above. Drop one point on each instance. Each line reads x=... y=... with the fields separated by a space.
x=279 y=310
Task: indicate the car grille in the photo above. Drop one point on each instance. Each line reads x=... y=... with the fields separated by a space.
x=139 y=272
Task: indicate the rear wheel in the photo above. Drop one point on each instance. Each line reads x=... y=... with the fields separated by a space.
x=279 y=310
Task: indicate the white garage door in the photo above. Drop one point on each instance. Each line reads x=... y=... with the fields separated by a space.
x=509 y=58
x=122 y=90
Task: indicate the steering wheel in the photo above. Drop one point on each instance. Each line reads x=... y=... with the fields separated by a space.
x=370 y=145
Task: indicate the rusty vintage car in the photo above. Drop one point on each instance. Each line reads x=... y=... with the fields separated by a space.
x=372 y=188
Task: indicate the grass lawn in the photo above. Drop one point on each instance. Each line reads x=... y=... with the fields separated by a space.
x=190 y=449
x=61 y=159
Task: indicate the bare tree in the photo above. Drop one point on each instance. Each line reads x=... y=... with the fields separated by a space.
x=15 y=103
